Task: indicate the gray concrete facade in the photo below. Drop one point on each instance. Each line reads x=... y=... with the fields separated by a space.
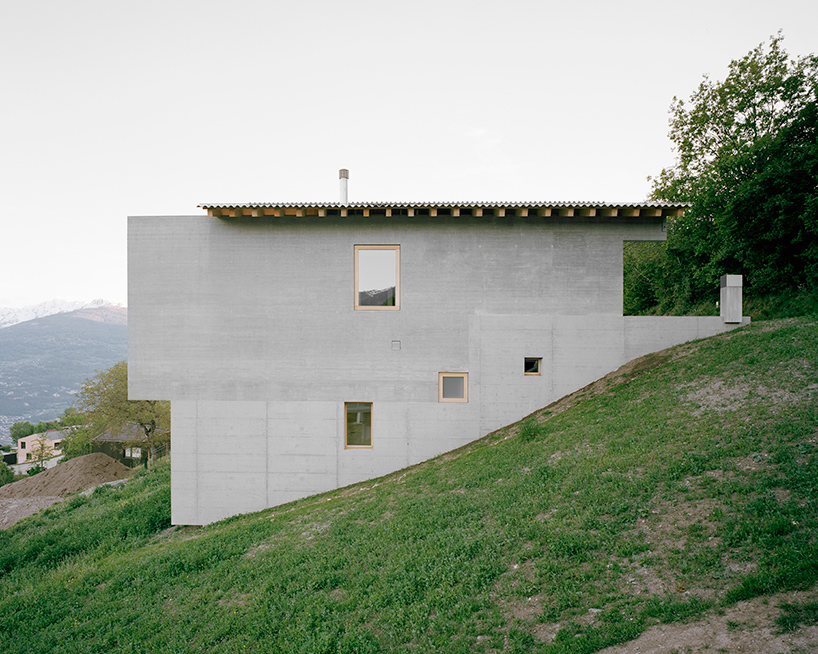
x=247 y=325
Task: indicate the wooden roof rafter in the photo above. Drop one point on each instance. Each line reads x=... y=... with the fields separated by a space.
x=454 y=209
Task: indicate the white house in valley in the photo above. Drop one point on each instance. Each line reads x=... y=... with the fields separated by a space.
x=327 y=343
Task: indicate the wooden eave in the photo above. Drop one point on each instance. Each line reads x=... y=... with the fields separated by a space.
x=652 y=210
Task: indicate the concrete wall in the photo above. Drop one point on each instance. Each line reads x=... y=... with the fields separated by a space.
x=287 y=450
x=263 y=309
x=248 y=327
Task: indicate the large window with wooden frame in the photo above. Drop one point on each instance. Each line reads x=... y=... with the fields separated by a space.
x=452 y=387
x=377 y=277
x=532 y=366
x=358 y=430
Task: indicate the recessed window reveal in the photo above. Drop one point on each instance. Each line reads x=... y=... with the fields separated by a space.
x=453 y=387
x=377 y=277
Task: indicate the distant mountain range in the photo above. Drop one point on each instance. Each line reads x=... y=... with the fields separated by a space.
x=12 y=316
x=377 y=297
x=45 y=360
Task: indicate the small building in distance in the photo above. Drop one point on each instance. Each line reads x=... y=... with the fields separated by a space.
x=323 y=344
x=49 y=442
x=125 y=443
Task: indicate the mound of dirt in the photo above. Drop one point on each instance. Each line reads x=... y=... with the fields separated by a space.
x=69 y=477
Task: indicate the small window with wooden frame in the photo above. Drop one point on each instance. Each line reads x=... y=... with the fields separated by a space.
x=358 y=425
x=452 y=387
x=533 y=366
x=377 y=277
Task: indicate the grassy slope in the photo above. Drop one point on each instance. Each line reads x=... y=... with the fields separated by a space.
x=686 y=482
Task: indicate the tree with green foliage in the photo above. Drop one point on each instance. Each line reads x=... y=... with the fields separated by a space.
x=6 y=475
x=103 y=400
x=77 y=442
x=748 y=162
x=21 y=430
x=68 y=418
x=71 y=418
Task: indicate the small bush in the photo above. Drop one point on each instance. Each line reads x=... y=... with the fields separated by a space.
x=6 y=475
x=529 y=430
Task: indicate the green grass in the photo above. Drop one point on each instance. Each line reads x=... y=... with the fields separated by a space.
x=793 y=616
x=687 y=487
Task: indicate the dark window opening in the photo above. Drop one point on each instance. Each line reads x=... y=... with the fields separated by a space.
x=358 y=430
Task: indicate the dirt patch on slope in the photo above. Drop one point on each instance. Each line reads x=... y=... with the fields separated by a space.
x=28 y=496
x=13 y=509
x=746 y=627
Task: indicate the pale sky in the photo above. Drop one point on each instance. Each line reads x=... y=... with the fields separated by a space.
x=118 y=108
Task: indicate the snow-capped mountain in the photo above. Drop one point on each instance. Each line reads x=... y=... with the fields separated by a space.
x=12 y=316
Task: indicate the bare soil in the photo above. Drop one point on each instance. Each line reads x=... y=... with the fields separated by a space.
x=28 y=496
x=746 y=627
x=12 y=510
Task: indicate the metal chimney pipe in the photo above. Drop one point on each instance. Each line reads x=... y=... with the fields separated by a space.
x=343 y=175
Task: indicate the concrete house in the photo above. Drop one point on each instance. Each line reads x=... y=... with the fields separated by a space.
x=327 y=343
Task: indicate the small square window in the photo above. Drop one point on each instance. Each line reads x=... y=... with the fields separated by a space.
x=133 y=452
x=377 y=277
x=533 y=365
x=452 y=387
x=358 y=430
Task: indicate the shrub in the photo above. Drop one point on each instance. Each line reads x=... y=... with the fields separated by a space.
x=529 y=430
x=35 y=469
x=6 y=475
